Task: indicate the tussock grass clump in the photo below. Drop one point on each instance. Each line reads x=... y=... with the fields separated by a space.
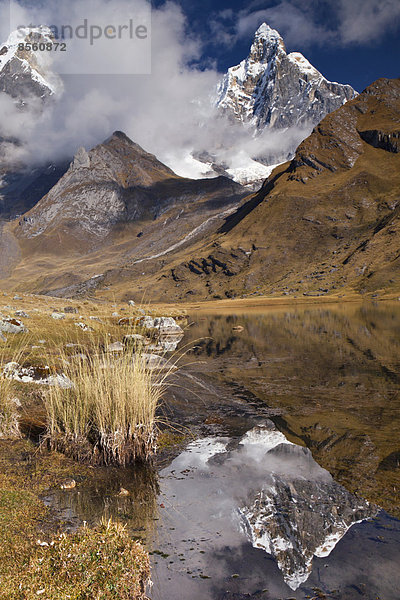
x=9 y=421
x=100 y=564
x=109 y=415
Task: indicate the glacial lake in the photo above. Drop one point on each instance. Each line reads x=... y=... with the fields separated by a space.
x=287 y=486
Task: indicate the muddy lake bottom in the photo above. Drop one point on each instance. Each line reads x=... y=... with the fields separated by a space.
x=287 y=484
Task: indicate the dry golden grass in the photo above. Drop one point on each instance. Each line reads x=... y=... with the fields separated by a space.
x=9 y=419
x=108 y=416
x=8 y=410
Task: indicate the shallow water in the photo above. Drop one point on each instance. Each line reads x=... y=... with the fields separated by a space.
x=247 y=510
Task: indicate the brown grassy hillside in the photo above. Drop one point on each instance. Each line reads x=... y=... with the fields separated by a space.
x=325 y=222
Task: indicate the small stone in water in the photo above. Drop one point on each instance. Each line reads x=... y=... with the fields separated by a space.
x=68 y=484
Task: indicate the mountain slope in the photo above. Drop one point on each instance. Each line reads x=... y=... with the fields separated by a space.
x=327 y=221
x=27 y=86
x=116 y=205
x=115 y=182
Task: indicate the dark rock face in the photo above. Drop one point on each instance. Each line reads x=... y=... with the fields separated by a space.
x=275 y=90
x=21 y=189
x=389 y=141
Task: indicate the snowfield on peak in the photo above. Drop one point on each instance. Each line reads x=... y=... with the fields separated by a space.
x=24 y=72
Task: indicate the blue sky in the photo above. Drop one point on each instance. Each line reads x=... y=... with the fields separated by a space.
x=349 y=41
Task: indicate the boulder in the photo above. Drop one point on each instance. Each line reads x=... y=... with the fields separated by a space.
x=132 y=339
x=164 y=325
x=70 y=310
x=154 y=362
x=166 y=343
x=58 y=316
x=10 y=325
x=116 y=347
x=83 y=326
x=35 y=374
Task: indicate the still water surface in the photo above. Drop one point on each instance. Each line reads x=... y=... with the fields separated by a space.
x=295 y=416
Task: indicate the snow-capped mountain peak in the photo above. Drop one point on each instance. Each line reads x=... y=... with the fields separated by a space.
x=24 y=73
x=275 y=90
x=266 y=41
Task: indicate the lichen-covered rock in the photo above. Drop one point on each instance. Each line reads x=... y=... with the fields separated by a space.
x=83 y=326
x=164 y=325
x=10 y=325
x=58 y=316
x=35 y=374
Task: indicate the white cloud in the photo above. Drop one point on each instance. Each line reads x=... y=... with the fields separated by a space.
x=364 y=21
x=293 y=21
x=169 y=113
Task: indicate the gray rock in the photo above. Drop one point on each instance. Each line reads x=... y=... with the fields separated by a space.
x=116 y=347
x=164 y=325
x=21 y=313
x=58 y=316
x=154 y=362
x=132 y=339
x=81 y=159
x=71 y=310
x=9 y=325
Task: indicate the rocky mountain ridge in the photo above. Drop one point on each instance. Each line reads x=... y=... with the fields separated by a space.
x=115 y=182
x=275 y=91
x=325 y=223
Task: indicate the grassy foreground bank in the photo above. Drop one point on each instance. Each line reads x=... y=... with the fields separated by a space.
x=106 y=417
x=36 y=559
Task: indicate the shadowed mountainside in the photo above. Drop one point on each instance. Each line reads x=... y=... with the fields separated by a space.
x=116 y=204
